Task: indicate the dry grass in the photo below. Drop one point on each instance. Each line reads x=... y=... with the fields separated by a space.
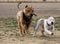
x=9 y=33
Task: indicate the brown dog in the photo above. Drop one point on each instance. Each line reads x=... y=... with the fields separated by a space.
x=24 y=19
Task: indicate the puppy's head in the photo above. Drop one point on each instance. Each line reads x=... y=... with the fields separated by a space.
x=28 y=10
x=51 y=21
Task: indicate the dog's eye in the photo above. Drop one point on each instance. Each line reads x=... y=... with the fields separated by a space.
x=51 y=20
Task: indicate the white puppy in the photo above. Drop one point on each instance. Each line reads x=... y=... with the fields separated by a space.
x=47 y=26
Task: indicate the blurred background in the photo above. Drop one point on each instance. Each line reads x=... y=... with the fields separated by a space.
x=8 y=8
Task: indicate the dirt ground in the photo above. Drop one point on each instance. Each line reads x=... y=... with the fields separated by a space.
x=9 y=36
x=9 y=33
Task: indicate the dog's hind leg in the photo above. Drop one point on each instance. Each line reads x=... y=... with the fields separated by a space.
x=18 y=21
x=26 y=30
x=37 y=26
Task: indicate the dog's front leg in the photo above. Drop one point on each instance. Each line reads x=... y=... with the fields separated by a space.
x=46 y=28
x=22 y=29
x=26 y=30
x=52 y=29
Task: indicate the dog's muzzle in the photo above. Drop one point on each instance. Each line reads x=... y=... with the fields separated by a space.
x=52 y=23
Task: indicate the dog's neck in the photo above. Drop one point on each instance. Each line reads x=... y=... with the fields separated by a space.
x=26 y=20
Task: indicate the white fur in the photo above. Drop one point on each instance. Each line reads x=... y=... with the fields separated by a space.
x=46 y=27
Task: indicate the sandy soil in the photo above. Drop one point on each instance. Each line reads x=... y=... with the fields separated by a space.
x=12 y=37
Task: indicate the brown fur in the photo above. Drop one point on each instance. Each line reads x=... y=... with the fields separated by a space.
x=22 y=23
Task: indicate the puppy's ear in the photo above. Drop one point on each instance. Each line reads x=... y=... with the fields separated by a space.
x=26 y=6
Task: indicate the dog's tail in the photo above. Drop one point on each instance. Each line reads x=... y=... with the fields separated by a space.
x=18 y=5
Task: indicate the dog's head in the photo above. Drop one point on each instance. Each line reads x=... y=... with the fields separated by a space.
x=29 y=10
x=51 y=21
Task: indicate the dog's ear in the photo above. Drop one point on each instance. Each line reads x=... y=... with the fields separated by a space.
x=26 y=6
